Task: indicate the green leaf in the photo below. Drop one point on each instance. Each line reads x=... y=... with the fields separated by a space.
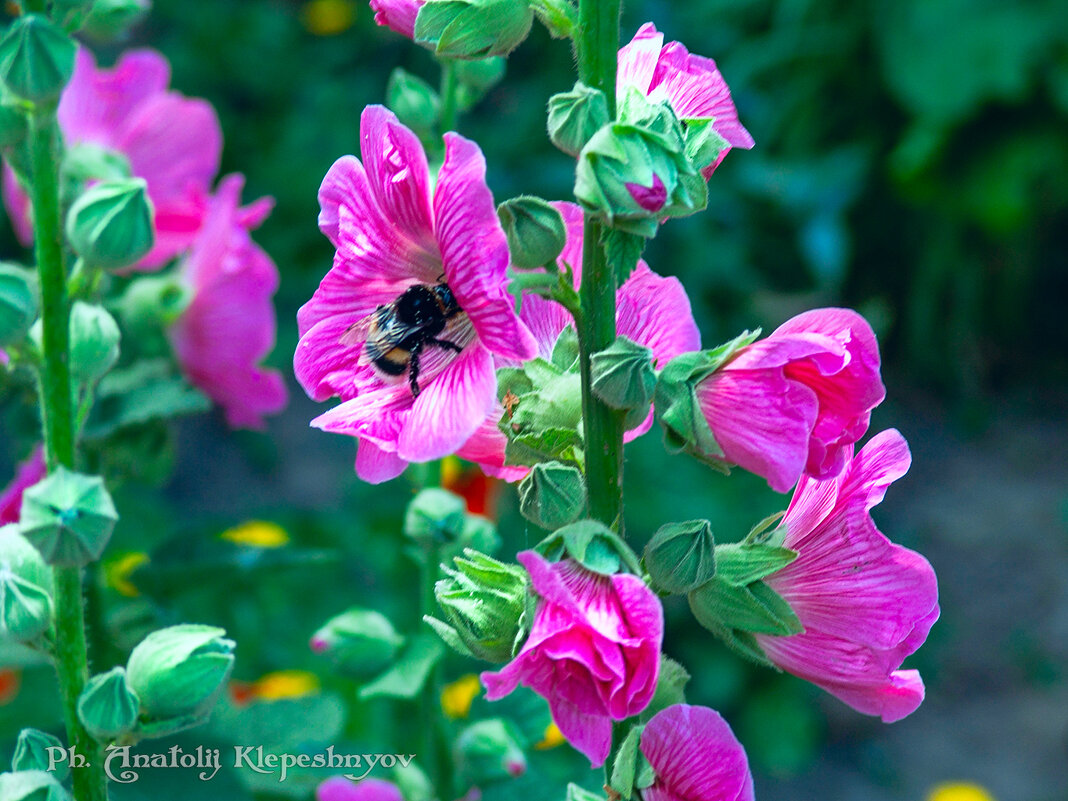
x=739 y=564
x=147 y=390
x=622 y=249
x=566 y=350
x=405 y=679
x=625 y=765
x=753 y=608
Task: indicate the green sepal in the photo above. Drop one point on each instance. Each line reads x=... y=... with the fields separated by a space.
x=565 y=353
x=32 y=785
x=624 y=766
x=681 y=557
x=68 y=517
x=703 y=143
x=473 y=29
x=107 y=707
x=670 y=688
x=575 y=116
x=754 y=608
x=406 y=677
x=577 y=793
x=25 y=608
x=36 y=59
x=740 y=564
x=94 y=342
x=477 y=77
x=591 y=544
x=111 y=224
x=31 y=753
x=623 y=378
x=560 y=17
x=552 y=494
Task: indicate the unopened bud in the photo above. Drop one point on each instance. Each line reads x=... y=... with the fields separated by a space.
x=18 y=302
x=552 y=495
x=414 y=101
x=473 y=28
x=112 y=19
x=107 y=707
x=435 y=516
x=361 y=642
x=110 y=224
x=68 y=517
x=477 y=76
x=32 y=785
x=36 y=59
x=624 y=378
x=535 y=230
x=31 y=753
x=488 y=751
x=575 y=116
x=94 y=341
x=681 y=556
x=179 y=671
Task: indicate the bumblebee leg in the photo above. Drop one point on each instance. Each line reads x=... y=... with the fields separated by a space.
x=444 y=343
x=413 y=370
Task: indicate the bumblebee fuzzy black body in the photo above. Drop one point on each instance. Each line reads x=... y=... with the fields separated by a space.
x=395 y=335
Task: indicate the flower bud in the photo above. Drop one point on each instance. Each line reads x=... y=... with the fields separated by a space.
x=473 y=28
x=25 y=608
x=361 y=642
x=31 y=753
x=180 y=671
x=36 y=59
x=13 y=127
x=18 y=303
x=488 y=751
x=68 y=517
x=110 y=224
x=477 y=76
x=484 y=601
x=32 y=785
x=575 y=116
x=107 y=707
x=624 y=378
x=85 y=164
x=535 y=231
x=414 y=101
x=94 y=341
x=435 y=516
x=70 y=14
x=552 y=495
x=681 y=556
x=593 y=545
x=112 y=19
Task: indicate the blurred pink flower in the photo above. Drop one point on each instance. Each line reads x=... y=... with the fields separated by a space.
x=696 y=757
x=29 y=473
x=229 y=325
x=795 y=401
x=651 y=310
x=397 y=15
x=392 y=233
x=338 y=788
x=692 y=85
x=171 y=141
x=593 y=651
x=865 y=602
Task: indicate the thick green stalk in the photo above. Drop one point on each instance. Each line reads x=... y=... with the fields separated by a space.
x=90 y=783
x=597 y=44
x=437 y=759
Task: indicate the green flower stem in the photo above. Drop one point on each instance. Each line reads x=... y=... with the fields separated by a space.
x=597 y=43
x=450 y=95
x=435 y=749
x=90 y=783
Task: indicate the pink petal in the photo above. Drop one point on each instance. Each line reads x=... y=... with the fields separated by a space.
x=696 y=757
x=486 y=447
x=17 y=203
x=448 y=411
x=654 y=311
x=397 y=15
x=29 y=473
x=338 y=788
x=325 y=367
x=637 y=60
x=591 y=735
x=375 y=465
x=475 y=252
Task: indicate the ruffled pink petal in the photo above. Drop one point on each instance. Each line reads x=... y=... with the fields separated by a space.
x=475 y=252
x=637 y=60
x=696 y=757
x=338 y=788
x=375 y=465
x=591 y=735
x=761 y=420
x=397 y=15
x=29 y=473
x=324 y=366
x=448 y=411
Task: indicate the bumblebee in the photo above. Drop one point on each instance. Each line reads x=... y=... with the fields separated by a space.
x=395 y=335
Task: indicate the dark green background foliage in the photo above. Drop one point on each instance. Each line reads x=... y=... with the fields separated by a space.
x=911 y=161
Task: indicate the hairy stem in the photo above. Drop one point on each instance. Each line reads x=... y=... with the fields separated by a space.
x=72 y=668
x=596 y=45
x=435 y=746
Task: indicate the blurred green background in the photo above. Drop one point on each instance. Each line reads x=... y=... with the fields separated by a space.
x=911 y=161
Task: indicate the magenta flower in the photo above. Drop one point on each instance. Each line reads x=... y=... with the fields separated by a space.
x=408 y=399
x=651 y=310
x=29 y=473
x=338 y=788
x=691 y=85
x=795 y=401
x=865 y=602
x=229 y=325
x=397 y=15
x=593 y=651
x=171 y=141
x=696 y=757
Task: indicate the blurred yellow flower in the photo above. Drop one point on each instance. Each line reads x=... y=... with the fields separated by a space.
x=257 y=534
x=117 y=573
x=456 y=697
x=285 y=684
x=959 y=791
x=552 y=738
x=328 y=17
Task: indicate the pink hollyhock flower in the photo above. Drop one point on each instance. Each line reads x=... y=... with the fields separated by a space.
x=229 y=325
x=651 y=310
x=865 y=603
x=394 y=237
x=796 y=400
x=692 y=85
x=171 y=141
x=696 y=757
x=397 y=15
x=593 y=651
x=338 y=788
x=29 y=473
